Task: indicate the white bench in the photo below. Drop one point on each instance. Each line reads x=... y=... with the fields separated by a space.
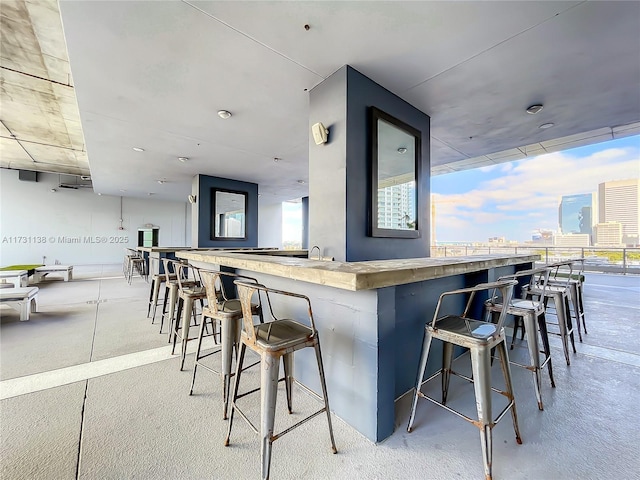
x=65 y=270
x=19 y=278
x=24 y=300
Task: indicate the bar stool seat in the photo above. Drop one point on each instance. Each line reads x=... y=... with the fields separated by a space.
x=480 y=337
x=531 y=313
x=279 y=338
x=225 y=313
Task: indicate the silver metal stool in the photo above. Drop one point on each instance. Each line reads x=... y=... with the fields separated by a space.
x=559 y=293
x=134 y=262
x=157 y=279
x=574 y=283
x=531 y=313
x=279 y=338
x=171 y=293
x=189 y=291
x=227 y=312
x=480 y=337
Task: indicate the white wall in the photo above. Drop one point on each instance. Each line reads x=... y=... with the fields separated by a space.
x=78 y=227
x=270 y=225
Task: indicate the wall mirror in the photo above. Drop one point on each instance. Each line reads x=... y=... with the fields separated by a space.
x=229 y=210
x=395 y=169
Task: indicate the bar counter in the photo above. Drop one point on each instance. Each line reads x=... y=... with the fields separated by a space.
x=370 y=318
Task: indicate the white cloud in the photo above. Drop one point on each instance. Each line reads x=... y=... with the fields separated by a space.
x=529 y=191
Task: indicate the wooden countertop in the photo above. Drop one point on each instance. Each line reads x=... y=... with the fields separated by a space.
x=356 y=275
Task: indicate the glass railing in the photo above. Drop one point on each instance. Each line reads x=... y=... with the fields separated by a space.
x=596 y=259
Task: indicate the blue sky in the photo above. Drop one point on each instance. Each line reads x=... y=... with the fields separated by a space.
x=512 y=199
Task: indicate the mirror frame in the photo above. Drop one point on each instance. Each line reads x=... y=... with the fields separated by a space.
x=374 y=231
x=245 y=195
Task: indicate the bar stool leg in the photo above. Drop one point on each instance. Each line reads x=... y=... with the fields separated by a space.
x=151 y=290
x=573 y=293
x=542 y=325
x=581 y=304
x=562 y=324
x=534 y=355
x=186 y=322
x=173 y=298
x=287 y=362
x=229 y=333
x=481 y=368
x=447 y=360
x=506 y=371
x=269 y=370
x=155 y=285
x=324 y=394
x=234 y=396
x=195 y=363
x=424 y=356
x=569 y=324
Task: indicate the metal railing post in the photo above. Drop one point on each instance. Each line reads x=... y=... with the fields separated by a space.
x=624 y=261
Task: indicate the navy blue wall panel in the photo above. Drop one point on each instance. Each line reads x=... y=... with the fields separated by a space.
x=206 y=183
x=363 y=93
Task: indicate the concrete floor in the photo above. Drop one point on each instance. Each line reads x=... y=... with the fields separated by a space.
x=89 y=390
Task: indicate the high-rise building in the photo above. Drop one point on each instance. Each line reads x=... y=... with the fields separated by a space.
x=608 y=234
x=575 y=214
x=396 y=206
x=618 y=201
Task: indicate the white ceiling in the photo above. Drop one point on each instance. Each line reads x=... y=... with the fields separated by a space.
x=154 y=74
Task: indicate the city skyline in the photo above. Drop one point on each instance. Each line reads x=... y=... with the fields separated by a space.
x=513 y=199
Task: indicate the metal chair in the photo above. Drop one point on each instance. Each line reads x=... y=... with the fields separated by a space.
x=531 y=314
x=171 y=293
x=279 y=338
x=157 y=279
x=480 y=337
x=575 y=285
x=189 y=291
x=559 y=293
x=226 y=313
x=134 y=261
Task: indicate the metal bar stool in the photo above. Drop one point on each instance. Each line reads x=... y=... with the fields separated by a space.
x=575 y=286
x=531 y=313
x=227 y=312
x=480 y=337
x=279 y=338
x=189 y=291
x=157 y=279
x=171 y=293
x=136 y=262
x=559 y=293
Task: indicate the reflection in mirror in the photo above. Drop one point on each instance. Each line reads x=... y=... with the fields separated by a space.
x=396 y=153
x=229 y=212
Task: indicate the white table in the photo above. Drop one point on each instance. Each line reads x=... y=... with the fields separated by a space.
x=19 y=278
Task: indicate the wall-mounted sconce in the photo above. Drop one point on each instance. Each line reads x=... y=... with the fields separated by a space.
x=320 y=133
x=192 y=199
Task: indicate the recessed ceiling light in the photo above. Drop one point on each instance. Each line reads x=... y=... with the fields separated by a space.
x=122 y=190
x=276 y=159
x=301 y=182
x=546 y=125
x=138 y=149
x=150 y=193
x=99 y=194
x=224 y=113
x=402 y=150
x=183 y=159
x=533 y=109
x=161 y=182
